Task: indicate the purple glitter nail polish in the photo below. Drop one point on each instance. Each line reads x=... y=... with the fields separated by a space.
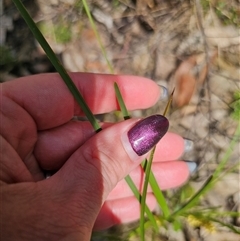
x=147 y=133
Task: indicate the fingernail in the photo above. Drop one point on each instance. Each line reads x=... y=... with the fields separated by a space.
x=147 y=133
x=163 y=92
x=188 y=145
x=192 y=166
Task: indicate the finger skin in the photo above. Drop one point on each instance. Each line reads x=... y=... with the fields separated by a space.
x=170 y=174
x=120 y=211
x=41 y=102
x=50 y=103
x=61 y=142
x=101 y=156
x=170 y=147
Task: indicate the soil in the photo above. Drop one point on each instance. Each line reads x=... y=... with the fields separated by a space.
x=187 y=45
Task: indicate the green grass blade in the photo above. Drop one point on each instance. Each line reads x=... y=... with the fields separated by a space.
x=128 y=178
x=211 y=212
x=121 y=102
x=231 y=227
x=194 y=199
x=85 y=5
x=136 y=193
x=207 y=215
x=228 y=152
x=57 y=65
x=169 y=103
x=158 y=195
x=151 y=178
x=144 y=194
x=212 y=179
x=160 y=198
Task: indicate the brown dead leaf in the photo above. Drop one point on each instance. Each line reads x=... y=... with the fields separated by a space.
x=186 y=88
x=190 y=76
x=185 y=82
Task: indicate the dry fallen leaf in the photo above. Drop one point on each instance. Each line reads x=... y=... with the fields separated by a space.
x=189 y=77
x=184 y=82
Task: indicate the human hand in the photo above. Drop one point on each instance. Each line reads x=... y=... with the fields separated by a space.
x=38 y=133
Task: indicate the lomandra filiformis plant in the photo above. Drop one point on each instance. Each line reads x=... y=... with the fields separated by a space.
x=188 y=210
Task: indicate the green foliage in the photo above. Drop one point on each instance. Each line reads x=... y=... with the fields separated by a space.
x=78 y=5
x=93 y=25
x=236 y=106
x=205 y=5
x=227 y=13
x=6 y=57
x=115 y=3
x=60 y=32
x=177 y=224
x=186 y=192
x=63 y=33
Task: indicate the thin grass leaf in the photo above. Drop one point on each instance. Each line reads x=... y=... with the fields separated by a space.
x=158 y=194
x=213 y=178
x=231 y=227
x=224 y=214
x=211 y=212
x=228 y=153
x=194 y=199
x=205 y=217
x=136 y=193
x=57 y=65
x=121 y=102
x=225 y=172
x=148 y=173
x=151 y=178
x=128 y=178
x=85 y=5
x=169 y=103
x=135 y=233
x=144 y=194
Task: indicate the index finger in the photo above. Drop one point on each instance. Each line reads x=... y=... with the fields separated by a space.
x=47 y=99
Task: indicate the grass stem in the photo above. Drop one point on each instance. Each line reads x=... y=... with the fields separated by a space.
x=57 y=65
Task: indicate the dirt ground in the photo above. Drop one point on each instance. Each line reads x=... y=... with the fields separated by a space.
x=192 y=46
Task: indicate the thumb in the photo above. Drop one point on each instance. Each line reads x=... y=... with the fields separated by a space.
x=100 y=163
